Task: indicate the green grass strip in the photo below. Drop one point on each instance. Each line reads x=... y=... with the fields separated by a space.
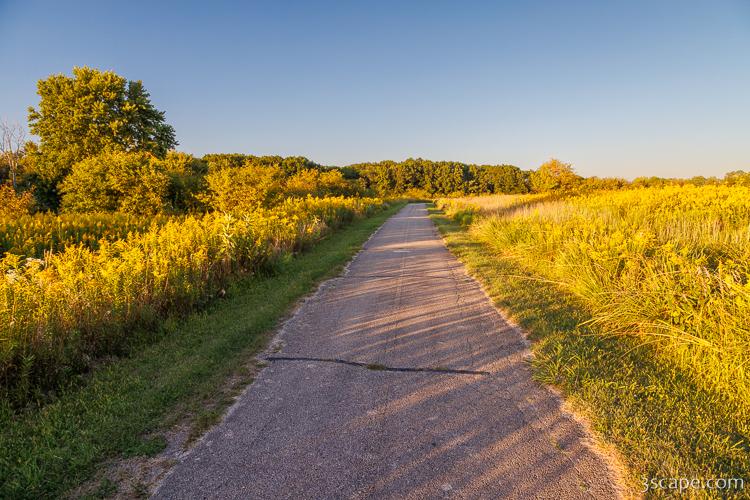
x=47 y=451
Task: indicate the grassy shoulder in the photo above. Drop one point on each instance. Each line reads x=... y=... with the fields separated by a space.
x=661 y=424
x=124 y=405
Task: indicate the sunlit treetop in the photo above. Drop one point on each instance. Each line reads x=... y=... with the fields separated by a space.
x=95 y=111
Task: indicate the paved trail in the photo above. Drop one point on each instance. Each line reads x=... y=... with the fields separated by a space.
x=396 y=380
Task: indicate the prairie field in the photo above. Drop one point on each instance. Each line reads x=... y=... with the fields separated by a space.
x=114 y=275
x=188 y=371
x=670 y=266
x=658 y=280
x=33 y=235
x=484 y=250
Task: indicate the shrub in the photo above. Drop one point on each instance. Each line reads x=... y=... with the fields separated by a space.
x=318 y=183
x=13 y=204
x=185 y=180
x=243 y=189
x=116 y=181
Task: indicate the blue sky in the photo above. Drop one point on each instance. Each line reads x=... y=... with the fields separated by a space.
x=618 y=88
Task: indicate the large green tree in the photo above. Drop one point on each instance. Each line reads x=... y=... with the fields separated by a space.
x=87 y=114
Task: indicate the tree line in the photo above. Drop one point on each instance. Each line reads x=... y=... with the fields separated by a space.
x=439 y=177
x=103 y=146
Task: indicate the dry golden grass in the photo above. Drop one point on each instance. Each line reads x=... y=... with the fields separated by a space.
x=670 y=266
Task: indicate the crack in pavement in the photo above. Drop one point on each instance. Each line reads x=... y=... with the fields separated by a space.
x=379 y=367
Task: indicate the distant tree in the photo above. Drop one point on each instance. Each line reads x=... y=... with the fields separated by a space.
x=293 y=164
x=554 y=175
x=92 y=112
x=505 y=179
x=12 y=142
x=602 y=183
x=117 y=181
x=349 y=173
x=288 y=166
x=319 y=183
x=438 y=178
x=700 y=180
x=652 y=181
x=737 y=178
x=376 y=177
x=220 y=161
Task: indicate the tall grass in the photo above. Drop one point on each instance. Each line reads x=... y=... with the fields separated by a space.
x=669 y=266
x=57 y=315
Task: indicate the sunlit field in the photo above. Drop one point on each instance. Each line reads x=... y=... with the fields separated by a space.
x=485 y=249
x=102 y=277
x=139 y=279
x=670 y=266
x=636 y=301
x=33 y=235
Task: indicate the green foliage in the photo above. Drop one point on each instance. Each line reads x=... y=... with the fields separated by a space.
x=141 y=183
x=439 y=178
x=384 y=178
x=316 y=183
x=116 y=181
x=89 y=113
x=5 y=170
x=599 y=183
x=238 y=183
x=288 y=166
x=186 y=175
x=736 y=178
x=505 y=179
x=220 y=161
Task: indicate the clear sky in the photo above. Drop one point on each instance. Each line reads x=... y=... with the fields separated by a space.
x=618 y=88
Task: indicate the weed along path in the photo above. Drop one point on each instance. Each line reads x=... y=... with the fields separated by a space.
x=398 y=379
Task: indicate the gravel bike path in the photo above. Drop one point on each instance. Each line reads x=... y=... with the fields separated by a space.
x=397 y=379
